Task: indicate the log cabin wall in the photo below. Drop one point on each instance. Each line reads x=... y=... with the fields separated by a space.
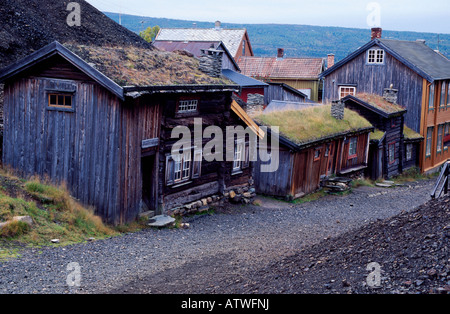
x=216 y=177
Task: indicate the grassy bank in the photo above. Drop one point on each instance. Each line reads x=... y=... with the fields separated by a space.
x=55 y=215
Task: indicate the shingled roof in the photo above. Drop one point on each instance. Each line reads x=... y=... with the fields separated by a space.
x=305 y=68
x=416 y=55
x=231 y=38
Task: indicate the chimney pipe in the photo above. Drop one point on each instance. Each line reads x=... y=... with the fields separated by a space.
x=376 y=32
x=280 y=53
x=330 y=61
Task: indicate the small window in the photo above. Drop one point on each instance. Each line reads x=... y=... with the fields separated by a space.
x=64 y=101
x=446 y=136
x=181 y=168
x=409 y=150
x=448 y=93
x=431 y=98
x=187 y=106
x=346 y=90
x=375 y=56
x=352 y=147
x=429 y=142
x=317 y=153
x=239 y=154
x=443 y=92
x=391 y=153
x=440 y=138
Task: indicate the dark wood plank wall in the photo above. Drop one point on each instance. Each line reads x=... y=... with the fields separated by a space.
x=140 y=119
x=79 y=148
x=278 y=92
x=374 y=79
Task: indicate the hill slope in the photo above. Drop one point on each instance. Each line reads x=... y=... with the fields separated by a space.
x=297 y=40
x=28 y=25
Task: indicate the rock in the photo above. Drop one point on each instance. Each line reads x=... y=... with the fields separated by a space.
x=54 y=240
x=26 y=219
x=247 y=194
x=161 y=221
x=204 y=201
x=232 y=194
x=203 y=209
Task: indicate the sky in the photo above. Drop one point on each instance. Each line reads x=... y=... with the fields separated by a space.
x=400 y=15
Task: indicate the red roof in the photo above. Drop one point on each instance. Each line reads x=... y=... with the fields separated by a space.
x=304 y=68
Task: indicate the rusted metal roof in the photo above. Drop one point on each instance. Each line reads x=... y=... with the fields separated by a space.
x=296 y=68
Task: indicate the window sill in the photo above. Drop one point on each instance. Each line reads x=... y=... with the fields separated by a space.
x=178 y=184
x=235 y=172
x=60 y=109
x=352 y=157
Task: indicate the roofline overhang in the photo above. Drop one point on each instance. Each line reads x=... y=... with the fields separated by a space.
x=370 y=44
x=138 y=91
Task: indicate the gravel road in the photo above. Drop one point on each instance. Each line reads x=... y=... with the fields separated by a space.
x=215 y=251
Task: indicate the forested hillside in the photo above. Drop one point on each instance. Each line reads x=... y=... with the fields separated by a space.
x=297 y=40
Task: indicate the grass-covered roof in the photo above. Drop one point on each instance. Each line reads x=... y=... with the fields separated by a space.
x=313 y=123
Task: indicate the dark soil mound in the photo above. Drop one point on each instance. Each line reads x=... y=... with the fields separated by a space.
x=412 y=250
x=28 y=25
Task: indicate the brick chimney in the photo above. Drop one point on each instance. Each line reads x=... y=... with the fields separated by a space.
x=280 y=53
x=337 y=109
x=376 y=32
x=390 y=94
x=330 y=60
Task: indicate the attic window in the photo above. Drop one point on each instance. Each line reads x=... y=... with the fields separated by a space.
x=375 y=56
x=60 y=101
x=346 y=90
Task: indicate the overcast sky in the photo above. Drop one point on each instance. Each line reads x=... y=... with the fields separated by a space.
x=403 y=15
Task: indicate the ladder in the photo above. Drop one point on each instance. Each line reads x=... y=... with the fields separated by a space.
x=442 y=182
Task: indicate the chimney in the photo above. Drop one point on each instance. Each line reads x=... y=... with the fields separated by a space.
x=423 y=41
x=280 y=53
x=390 y=94
x=218 y=25
x=337 y=109
x=376 y=32
x=211 y=62
x=330 y=61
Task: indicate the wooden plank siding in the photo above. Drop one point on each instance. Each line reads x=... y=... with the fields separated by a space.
x=79 y=149
x=373 y=79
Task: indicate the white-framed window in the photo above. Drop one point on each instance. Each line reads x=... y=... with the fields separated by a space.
x=409 y=149
x=181 y=168
x=431 y=97
x=241 y=155
x=391 y=153
x=353 y=143
x=429 y=141
x=346 y=90
x=375 y=56
x=186 y=106
x=440 y=138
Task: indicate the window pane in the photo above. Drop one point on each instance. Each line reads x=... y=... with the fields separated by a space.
x=53 y=100
x=431 y=98
x=429 y=139
x=68 y=101
x=443 y=94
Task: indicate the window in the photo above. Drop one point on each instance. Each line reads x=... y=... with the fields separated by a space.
x=239 y=153
x=446 y=136
x=409 y=149
x=429 y=142
x=187 y=106
x=317 y=154
x=181 y=168
x=448 y=94
x=60 y=100
x=375 y=56
x=440 y=138
x=346 y=90
x=431 y=98
x=352 y=147
x=391 y=153
x=443 y=93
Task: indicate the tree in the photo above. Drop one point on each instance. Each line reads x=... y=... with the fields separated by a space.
x=150 y=33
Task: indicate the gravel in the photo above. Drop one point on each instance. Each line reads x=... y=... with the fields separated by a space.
x=214 y=255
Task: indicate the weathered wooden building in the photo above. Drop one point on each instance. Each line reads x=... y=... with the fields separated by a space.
x=313 y=145
x=391 y=151
x=421 y=76
x=98 y=119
